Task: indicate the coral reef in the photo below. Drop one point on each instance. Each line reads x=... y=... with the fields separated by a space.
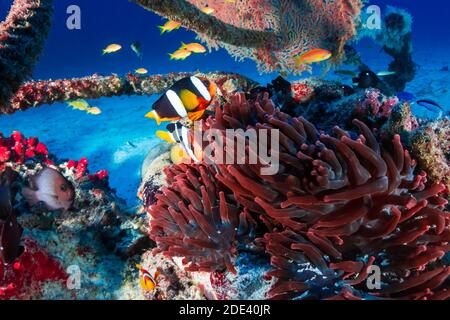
x=269 y=32
x=96 y=236
x=431 y=147
x=34 y=94
x=22 y=35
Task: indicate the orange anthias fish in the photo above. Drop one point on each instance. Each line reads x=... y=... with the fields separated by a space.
x=169 y=26
x=112 y=48
x=312 y=56
x=180 y=54
x=193 y=47
x=146 y=280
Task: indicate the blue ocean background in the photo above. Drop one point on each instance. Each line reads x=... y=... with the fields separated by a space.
x=120 y=138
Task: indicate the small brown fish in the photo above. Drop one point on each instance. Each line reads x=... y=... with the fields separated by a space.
x=52 y=188
x=10 y=230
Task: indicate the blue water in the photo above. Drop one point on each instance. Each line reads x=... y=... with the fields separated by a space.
x=104 y=139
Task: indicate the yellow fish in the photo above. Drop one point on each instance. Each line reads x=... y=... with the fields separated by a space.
x=79 y=104
x=146 y=280
x=169 y=26
x=94 y=111
x=193 y=47
x=178 y=155
x=180 y=54
x=112 y=48
x=208 y=10
x=314 y=55
x=141 y=71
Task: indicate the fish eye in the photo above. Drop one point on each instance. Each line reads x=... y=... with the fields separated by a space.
x=63 y=188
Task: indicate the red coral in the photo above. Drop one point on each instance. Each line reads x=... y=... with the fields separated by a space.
x=24 y=278
x=195 y=219
x=302 y=91
x=18 y=149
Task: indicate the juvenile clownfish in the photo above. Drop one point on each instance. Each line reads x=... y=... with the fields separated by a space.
x=177 y=133
x=146 y=280
x=187 y=98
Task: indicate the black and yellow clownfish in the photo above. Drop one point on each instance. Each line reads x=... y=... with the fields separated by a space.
x=187 y=98
x=177 y=133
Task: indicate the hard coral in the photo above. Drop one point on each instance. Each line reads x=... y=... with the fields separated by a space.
x=195 y=218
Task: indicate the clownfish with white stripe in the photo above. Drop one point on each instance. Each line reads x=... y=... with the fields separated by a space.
x=146 y=280
x=187 y=98
x=177 y=133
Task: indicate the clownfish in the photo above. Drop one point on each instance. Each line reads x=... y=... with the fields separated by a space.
x=177 y=133
x=146 y=280
x=187 y=98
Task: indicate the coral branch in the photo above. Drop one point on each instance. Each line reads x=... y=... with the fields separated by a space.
x=34 y=94
x=191 y=16
x=22 y=35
